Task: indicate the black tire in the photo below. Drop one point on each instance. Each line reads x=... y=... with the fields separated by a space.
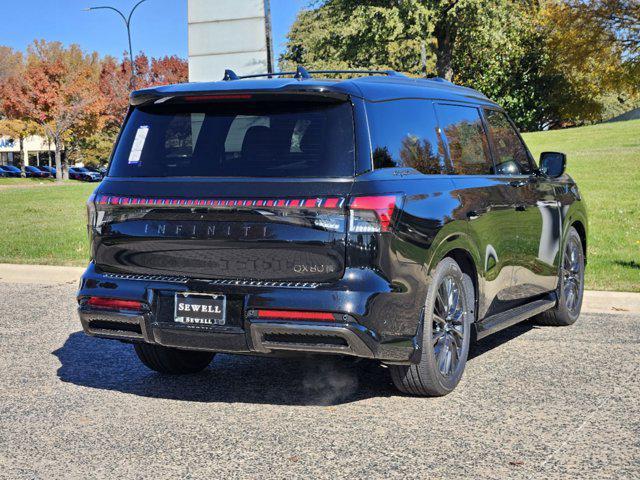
x=427 y=378
x=171 y=360
x=570 y=285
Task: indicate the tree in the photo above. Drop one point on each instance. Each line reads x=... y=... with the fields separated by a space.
x=477 y=43
x=168 y=70
x=11 y=62
x=456 y=19
x=58 y=90
x=550 y=63
x=612 y=26
x=343 y=34
x=114 y=87
x=114 y=82
x=362 y=33
x=620 y=18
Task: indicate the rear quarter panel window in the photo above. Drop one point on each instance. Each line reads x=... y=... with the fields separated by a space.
x=404 y=134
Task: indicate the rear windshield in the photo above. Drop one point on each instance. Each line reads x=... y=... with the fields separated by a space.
x=258 y=139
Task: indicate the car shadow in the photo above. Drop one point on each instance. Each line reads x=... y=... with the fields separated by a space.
x=313 y=380
x=319 y=380
x=499 y=338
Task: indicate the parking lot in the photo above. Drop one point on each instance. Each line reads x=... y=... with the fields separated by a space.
x=534 y=403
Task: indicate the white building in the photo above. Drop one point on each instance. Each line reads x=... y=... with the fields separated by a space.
x=234 y=34
x=36 y=150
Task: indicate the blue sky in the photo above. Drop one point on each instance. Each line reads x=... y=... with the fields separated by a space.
x=159 y=27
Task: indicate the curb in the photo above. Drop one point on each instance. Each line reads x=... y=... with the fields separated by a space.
x=39 y=274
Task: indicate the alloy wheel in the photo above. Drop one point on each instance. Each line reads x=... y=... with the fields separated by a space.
x=572 y=275
x=448 y=325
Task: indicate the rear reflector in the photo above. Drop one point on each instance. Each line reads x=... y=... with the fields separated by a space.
x=295 y=315
x=362 y=208
x=114 y=304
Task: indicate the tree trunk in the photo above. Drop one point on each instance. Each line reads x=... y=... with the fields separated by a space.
x=23 y=154
x=445 y=37
x=58 y=161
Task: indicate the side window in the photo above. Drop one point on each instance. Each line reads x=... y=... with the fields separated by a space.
x=468 y=147
x=403 y=134
x=511 y=154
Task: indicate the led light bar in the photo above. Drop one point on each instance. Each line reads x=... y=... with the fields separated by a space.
x=309 y=203
x=295 y=315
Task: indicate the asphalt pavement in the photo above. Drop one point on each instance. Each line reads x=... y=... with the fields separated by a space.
x=535 y=402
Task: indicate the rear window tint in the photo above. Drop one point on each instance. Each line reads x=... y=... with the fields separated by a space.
x=403 y=134
x=259 y=139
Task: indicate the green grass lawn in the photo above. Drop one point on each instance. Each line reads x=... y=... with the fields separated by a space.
x=605 y=161
x=25 y=181
x=46 y=225
x=43 y=224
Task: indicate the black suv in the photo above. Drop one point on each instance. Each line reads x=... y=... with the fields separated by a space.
x=381 y=216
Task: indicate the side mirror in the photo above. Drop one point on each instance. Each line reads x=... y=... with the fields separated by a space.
x=553 y=164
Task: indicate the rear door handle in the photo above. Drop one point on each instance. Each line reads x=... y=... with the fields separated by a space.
x=472 y=214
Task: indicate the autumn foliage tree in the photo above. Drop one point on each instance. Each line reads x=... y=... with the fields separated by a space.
x=77 y=100
x=115 y=77
x=58 y=90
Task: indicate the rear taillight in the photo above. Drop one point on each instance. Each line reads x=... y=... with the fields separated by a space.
x=116 y=304
x=372 y=214
x=295 y=315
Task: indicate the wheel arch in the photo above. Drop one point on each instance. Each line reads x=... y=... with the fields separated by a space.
x=462 y=250
x=575 y=215
x=582 y=231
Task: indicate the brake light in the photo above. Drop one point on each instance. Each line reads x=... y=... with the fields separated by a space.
x=371 y=214
x=114 y=304
x=205 y=98
x=295 y=315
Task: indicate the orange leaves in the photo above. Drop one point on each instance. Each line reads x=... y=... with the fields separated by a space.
x=115 y=76
x=71 y=93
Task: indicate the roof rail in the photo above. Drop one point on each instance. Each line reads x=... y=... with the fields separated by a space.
x=230 y=75
x=440 y=79
x=302 y=73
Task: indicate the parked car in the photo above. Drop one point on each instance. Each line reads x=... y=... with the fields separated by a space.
x=81 y=173
x=381 y=217
x=50 y=170
x=34 y=172
x=101 y=170
x=10 y=171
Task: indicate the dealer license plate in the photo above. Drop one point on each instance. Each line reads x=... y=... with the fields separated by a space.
x=202 y=309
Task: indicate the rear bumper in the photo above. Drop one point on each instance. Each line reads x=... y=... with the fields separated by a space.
x=259 y=337
x=362 y=299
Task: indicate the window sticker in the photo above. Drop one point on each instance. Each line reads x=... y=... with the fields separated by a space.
x=138 y=144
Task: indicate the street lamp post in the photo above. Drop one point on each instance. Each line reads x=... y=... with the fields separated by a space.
x=127 y=22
